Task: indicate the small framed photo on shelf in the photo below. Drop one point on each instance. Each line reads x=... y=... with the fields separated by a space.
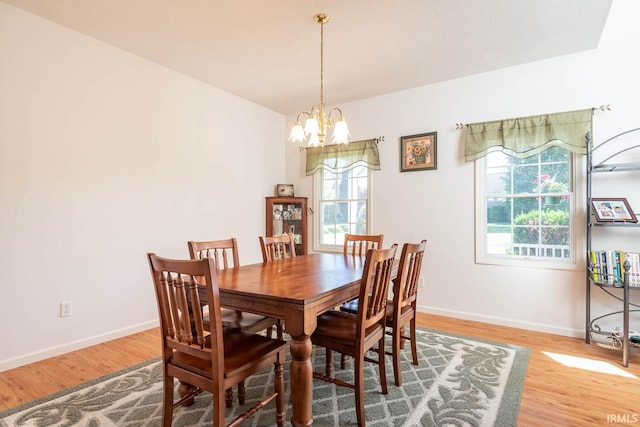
x=277 y=212
x=296 y=213
x=418 y=152
x=612 y=210
x=284 y=190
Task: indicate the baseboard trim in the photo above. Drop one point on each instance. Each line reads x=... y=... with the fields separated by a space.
x=74 y=345
x=532 y=326
x=119 y=333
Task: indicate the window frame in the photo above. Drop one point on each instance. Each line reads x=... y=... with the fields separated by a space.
x=317 y=195
x=576 y=225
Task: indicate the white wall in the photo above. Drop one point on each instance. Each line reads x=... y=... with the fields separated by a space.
x=105 y=156
x=439 y=205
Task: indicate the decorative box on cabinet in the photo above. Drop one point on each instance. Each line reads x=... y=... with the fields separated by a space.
x=610 y=282
x=288 y=215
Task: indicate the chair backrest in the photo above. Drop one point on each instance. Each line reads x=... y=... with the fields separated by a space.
x=277 y=247
x=181 y=320
x=405 y=285
x=359 y=244
x=219 y=250
x=374 y=287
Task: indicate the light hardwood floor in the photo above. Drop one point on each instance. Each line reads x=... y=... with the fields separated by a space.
x=555 y=393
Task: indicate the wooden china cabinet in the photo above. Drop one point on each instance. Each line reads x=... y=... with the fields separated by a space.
x=288 y=215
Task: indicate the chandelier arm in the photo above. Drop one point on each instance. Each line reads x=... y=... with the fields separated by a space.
x=303 y=113
x=331 y=121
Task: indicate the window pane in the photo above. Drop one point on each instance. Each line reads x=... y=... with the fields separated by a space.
x=328 y=219
x=342 y=187
x=498 y=181
x=524 y=178
x=361 y=217
x=527 y=204
x=362 y=188
x=525 y=208
x=342 y=213
x=499 y=211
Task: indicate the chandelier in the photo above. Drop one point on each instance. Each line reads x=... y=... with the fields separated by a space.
x=317 y=123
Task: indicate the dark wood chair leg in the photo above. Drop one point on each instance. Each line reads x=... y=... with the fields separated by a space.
x=228 y=397
x=279 y=329
x=343 y=361
x=329 y=363
x=241 y=392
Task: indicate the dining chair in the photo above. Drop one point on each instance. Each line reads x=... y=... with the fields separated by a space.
x=213 y=360
x=355 y=334
x=359 y=244
x=225 y=254
x=277 y=247
x=401 y=309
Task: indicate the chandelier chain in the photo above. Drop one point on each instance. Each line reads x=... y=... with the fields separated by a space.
x=322 y=62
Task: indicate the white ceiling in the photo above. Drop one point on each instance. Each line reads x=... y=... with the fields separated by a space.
x=268 y=51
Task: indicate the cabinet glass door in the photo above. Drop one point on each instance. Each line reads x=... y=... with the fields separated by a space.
x=287 y=215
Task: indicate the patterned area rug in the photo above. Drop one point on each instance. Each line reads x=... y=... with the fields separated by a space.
x=460 y=381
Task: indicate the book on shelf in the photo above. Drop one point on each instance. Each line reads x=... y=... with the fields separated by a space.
x=607 y=267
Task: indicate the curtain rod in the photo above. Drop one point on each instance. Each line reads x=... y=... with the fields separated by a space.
x=606 y=107
x=377 y=140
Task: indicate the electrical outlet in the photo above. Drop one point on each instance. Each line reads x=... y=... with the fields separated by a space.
x=65 y=309
x=421 y=282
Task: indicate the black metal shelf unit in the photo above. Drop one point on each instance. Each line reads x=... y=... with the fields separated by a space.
x=614 y=339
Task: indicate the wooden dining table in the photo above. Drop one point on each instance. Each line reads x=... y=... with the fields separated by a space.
x=296 y=290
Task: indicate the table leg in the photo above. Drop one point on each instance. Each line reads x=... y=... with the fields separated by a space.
x=301 y=381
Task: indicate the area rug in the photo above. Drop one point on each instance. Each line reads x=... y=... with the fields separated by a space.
x=459 y=381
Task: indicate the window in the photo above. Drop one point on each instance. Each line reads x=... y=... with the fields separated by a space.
x=342 y=183
x=342 y=206
x=525 y=209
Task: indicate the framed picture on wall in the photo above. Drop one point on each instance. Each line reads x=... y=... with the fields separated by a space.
x=418 y=152
x=612 y=210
